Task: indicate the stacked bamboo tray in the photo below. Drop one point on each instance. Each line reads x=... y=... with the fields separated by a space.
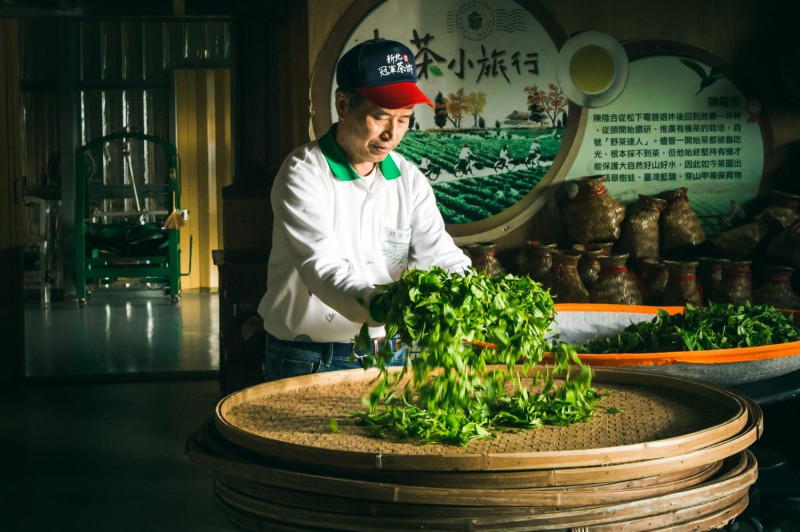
x=674 y=458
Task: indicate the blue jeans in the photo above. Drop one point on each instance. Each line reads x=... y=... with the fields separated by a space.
x=291 y=359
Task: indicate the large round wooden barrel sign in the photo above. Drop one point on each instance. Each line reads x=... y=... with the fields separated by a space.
x=670 y=452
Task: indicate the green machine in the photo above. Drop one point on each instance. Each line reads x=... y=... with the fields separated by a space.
x=127 y=212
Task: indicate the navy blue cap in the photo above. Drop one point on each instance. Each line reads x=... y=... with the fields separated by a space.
x=383 y=72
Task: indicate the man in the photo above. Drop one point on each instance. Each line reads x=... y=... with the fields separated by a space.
x=464 y=159
x=735 y=215
x=349 y=215
x=504 y=160
x=424 y=165
x=534 y=153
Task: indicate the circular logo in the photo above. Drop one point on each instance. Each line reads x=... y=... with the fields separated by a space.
x=475 y=20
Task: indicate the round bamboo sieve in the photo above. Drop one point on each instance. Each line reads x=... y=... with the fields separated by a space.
x=710 y=503
x=661 y=417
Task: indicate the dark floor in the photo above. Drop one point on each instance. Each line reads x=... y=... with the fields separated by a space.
x=94 y=439
x=123 y=332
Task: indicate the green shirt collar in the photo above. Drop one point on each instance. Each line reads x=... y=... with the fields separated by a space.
x=341 y=167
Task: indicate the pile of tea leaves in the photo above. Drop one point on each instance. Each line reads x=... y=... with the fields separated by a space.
x=453 y=396
x=717 y=326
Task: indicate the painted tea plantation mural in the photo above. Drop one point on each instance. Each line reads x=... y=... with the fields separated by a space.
x=499 y=116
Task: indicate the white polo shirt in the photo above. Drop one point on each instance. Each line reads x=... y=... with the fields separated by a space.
x=335 y=236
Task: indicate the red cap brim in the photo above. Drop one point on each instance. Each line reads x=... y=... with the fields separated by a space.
x=395 y=95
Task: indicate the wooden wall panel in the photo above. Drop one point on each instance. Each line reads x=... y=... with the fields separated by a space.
x=203 y=133
x=12 y=315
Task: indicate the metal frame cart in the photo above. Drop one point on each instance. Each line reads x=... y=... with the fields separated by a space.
x=120 y=228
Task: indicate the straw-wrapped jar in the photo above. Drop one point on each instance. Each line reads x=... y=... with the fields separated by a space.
x=653 y=275
x=784 y=210
x=604 y=247
x=519 y=259
x=592 y=215
x=563 y=279
x=785 y=247
x=679 y=223
x=709 y=273
x=742 y=240
x=589 y=266
x=484 y=258
x=737 y=282
x=539 y=261
x=682 y=286
x=777 y=290
x=615 y=284
x=640 y=235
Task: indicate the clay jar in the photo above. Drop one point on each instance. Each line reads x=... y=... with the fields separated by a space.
x=592 y=215
x=615 y=284
x=484 y=258
x=682 y=286
x=777 y=290
x=563 y=279
x=737 y=282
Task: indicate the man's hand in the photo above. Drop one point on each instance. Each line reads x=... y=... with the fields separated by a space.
x=378 y=306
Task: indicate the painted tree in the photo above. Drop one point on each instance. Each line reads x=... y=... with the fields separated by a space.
x=534 y=107
x=455 y=107
x=473 y=103
x=551 y=102
x=440 y=111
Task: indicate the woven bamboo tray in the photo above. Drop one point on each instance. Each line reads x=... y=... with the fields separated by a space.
x=717 y=494
x=208 y=449
x=661 y=417
x=576 y=323
x=675 y=459
x=715 y=499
